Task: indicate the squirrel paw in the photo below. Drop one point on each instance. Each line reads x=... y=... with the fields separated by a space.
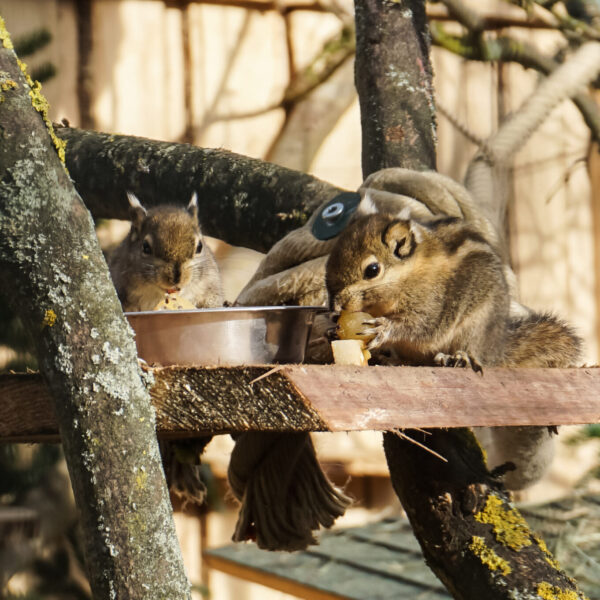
x=381 y=328
x=459 y=359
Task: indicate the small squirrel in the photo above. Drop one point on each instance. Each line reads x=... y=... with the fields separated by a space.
x=163 y=253
x=438 y=295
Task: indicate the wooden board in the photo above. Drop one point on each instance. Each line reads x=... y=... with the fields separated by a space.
x=199 y=400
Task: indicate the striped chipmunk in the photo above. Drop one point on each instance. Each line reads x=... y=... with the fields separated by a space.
x=438 y=295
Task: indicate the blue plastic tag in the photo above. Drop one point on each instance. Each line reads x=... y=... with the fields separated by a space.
x=334 y=216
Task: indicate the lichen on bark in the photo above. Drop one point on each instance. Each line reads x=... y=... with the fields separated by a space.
x=56 y=279
x=394 y=83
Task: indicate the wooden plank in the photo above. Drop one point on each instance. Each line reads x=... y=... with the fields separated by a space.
x=315 y=577
x=382 y=398
x=26 y=410
x=193 y=401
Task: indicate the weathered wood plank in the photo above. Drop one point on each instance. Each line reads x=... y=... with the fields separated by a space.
x=193 y=401
x=223 y=399
x=382 y=398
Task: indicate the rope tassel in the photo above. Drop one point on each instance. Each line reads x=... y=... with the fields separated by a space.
x=284 y=493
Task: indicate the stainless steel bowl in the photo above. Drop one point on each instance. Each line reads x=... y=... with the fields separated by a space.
x=223 y=336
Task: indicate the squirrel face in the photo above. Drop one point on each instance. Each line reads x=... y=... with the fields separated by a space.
x=374 y=258
x=384 y=265
x=164 y=241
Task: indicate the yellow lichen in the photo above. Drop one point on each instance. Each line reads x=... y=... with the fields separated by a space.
x=40 y=104
x=49 y=318
x=4 y=35
x=548 y=591
x=509 y=527
x=547 y=554
x=487 y=556
x=141 y=479
x=8 y=84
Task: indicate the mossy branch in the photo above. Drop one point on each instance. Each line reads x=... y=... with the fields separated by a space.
x=472 y=536
x=244 y=201
x=56 y=280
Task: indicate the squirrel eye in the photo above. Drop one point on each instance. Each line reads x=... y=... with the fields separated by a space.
x=372 y=270
x=146 y=248
x=199 y=248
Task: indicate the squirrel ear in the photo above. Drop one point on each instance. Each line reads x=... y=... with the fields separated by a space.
x=399 y=238
x=137 y=212
x=192 y=207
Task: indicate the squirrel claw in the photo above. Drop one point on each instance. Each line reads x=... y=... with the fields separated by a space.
x=378 y=327
x=459 y=359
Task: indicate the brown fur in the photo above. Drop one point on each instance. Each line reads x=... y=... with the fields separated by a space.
x=173 y=263
x=444 y=292
x=541 y=340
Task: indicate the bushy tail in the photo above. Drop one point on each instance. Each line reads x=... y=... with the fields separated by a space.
x=541 y=340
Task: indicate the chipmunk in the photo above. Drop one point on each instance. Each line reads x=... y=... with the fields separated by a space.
x=438 y=295
x=164 y=252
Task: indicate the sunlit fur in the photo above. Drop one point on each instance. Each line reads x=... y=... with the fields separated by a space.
x=448 y=295
x=173 y=235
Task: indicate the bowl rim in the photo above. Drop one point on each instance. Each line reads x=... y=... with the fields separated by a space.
x=230 y=309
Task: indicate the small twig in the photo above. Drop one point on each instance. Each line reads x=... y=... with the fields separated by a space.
x=402 y=435
x=269 y=372
x=423 y=431
x=565 y=177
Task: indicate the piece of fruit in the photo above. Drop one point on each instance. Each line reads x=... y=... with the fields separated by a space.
x=350 y=352
x=350 y=326
x=174 y=302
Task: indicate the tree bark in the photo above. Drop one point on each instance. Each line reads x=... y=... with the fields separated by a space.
x=396 y=96
x=472 y=538
x=244 y=201
x=56 y=279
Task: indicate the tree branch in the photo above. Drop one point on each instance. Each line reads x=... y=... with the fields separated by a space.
x=396 y=97
x=56 y=279
x=244 y=201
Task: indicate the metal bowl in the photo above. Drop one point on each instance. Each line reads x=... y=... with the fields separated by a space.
x=223 y=336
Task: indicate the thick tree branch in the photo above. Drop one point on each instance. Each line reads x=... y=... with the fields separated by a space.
x=472 y=537
x=54 y=275
x=396 y=97
x=243 y=201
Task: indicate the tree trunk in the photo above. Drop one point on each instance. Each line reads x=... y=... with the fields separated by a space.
x=393 y=79
x=244 y=201
x=472 y=537
x=56 y=279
